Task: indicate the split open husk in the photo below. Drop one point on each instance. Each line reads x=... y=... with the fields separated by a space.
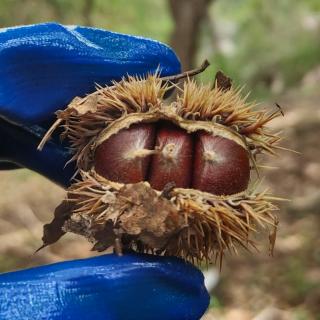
x=189 y=223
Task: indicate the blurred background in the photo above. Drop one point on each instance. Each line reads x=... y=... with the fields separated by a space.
x=273 y=47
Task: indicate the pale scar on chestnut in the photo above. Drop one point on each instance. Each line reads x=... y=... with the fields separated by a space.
x=161 y=177
x=161 y=153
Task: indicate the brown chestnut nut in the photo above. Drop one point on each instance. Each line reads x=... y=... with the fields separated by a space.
x=221 y=165
x=162 y=153
x=121 y=157
x=173 y=162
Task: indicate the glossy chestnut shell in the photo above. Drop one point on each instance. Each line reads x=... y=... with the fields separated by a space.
x=162 y=153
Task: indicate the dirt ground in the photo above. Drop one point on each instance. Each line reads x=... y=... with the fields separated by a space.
x=286 y=286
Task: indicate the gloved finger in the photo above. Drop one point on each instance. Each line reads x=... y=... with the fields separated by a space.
x=106 y=287
x=19 y=145
x=43 y=67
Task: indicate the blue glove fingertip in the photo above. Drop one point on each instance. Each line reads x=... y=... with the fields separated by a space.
x=43 y=67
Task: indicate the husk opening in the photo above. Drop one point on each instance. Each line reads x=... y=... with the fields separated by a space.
x=188 y=223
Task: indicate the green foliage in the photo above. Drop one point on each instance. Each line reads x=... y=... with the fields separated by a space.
x=215 y=303
x=272 y=40
x=140 y=17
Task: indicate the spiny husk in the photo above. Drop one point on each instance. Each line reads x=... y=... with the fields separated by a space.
x=187 y=223
x=230 y=108
x=85 y=118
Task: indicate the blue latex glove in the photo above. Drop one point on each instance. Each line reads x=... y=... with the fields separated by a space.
x=42 y=67
x=106 y=287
